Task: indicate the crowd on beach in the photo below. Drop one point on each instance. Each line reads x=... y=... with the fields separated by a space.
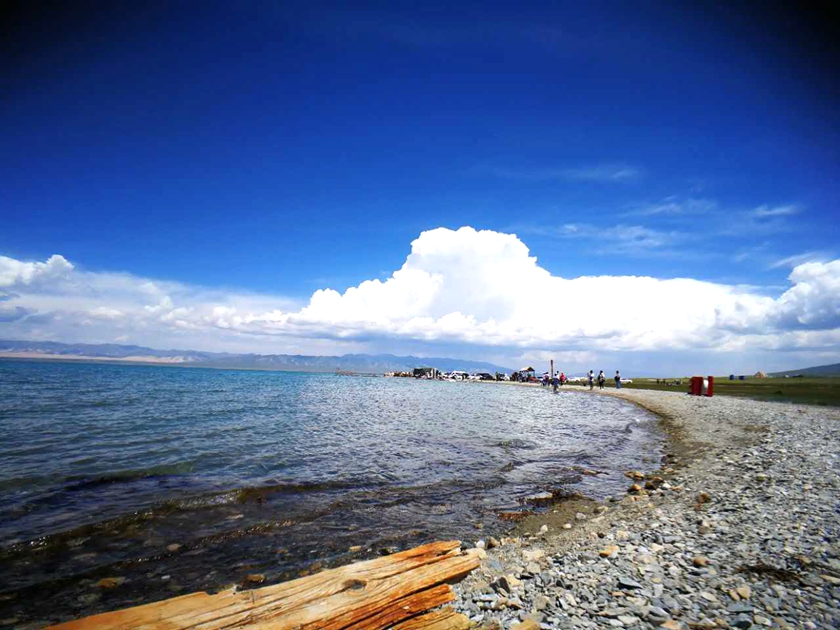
x=559 y=379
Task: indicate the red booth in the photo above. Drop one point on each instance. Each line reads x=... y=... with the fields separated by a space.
x=702 y=386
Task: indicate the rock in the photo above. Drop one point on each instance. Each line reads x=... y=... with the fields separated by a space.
x=653 y=483
x=634 y=474
x=541 y=602
x=492 y=543
x=528 y=624
x=567 y=526
x=544 y=529
x=671 y=624
x=532 y=555
x=742 y=621
x=609 y=551
x=505 y=584
x=480 y=544
x=700 y=561
x=744 y=592
x=830 y=579
x=110 y=582
x=628 y=620
x=533 y=568
x=625 y=582
x=761 y=477
x=635 y=489
x=255 y=578
x=90 y=598
x=355 y=549
x=580 y=516
x=173 y=547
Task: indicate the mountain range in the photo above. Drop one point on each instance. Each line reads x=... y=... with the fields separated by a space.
x=819 y=370
x=363 y=363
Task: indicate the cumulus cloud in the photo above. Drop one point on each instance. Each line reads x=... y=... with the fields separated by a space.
x=16 y=273
x=482 y=288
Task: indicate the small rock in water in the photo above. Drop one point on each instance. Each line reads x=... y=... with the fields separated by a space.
x=355 y=548
x=256 y=578
x=110 y=582
x=634 y=474
x=635 y=489
x=173 y=547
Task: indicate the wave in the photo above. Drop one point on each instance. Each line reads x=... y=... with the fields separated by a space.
x=83 y=482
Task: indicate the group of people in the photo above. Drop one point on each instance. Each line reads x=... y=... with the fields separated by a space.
x=561 y=379
x=602 y=379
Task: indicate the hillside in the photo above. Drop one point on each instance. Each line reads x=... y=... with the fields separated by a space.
x=819 y=370
x=365 y=363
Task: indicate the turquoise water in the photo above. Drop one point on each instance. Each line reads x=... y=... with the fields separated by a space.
x=104 y=466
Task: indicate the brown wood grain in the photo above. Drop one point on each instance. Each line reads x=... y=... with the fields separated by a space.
x=442 y=619
x=363 y=596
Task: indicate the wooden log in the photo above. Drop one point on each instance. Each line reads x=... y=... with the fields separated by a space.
x=442 y=619
x=364 y=596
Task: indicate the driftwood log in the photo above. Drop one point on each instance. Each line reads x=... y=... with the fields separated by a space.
x=395 y=591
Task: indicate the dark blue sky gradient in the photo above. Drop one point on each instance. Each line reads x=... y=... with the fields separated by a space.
x=285 y=148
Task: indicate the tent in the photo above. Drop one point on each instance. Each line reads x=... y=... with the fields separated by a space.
x=759 y=374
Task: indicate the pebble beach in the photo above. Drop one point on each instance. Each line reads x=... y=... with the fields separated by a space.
x=738 y=528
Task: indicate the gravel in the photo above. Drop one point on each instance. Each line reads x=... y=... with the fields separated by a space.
x=740 y=530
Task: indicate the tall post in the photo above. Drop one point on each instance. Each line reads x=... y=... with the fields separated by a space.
x=551 y=373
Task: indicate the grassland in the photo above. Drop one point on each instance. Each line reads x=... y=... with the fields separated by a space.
x=812 y=391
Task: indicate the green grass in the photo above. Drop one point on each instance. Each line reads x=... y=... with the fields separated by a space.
x=810 y=391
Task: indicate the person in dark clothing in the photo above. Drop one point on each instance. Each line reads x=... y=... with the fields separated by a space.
x=601 y=379
x=591 y=377
x=617 y=380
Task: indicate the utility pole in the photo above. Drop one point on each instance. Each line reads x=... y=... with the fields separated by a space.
x=551 y=374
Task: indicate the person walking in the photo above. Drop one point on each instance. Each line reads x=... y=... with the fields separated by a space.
x=601 y=379
x=617 y=380
x=591 y=377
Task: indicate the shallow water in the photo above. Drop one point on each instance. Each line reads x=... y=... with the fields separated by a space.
x=104 y=466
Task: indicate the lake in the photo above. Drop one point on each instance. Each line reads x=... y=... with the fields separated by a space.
x=178 y=479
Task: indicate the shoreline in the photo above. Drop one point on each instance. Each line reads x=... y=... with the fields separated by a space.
x=737 y=529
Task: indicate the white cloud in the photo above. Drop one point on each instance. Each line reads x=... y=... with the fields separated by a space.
x=14 y=272
x=777 y=211
x=798 y=259
x=606 y=173
x=481 y=288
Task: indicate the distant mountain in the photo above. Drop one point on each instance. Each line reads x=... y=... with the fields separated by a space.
x=820 y=370
x=365 y=363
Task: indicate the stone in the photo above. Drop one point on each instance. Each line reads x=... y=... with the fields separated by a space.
x=700 y=561
x=580 y=516
x=173 y=547
x=90 y=598
x=830 y=579
x=355 y=549
x=625 y=582
x=110 y=582
x=609 y=551
x=532 y=555
x=744 y=592
x=635 y=475
x=492 y=543
x=567 y=526
x=480 y=544
x=635 y=489
x=527 y=624
x=653 y=483
x=255 y=578
x=541 y=602
x=671 y=624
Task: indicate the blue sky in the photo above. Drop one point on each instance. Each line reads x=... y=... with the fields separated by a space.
x=278 y=150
